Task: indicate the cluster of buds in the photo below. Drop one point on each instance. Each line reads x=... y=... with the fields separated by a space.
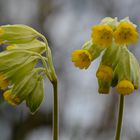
x=118 y=67
x=20 y=77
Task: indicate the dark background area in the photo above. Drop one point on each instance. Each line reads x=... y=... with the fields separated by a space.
x=84 y=114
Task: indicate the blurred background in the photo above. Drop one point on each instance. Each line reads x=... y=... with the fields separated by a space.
x=84 y=114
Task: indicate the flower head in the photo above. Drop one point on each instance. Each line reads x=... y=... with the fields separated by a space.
x=125 y=33
x=81 y=58
x=102 y=35
x=10 y=99
x=125 y=87
x=104 y=73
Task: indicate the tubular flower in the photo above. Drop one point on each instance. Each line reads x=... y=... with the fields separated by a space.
x=125 y=87
x=10 y=99
x=102 y=35
x=104 y=73
x=3 y=82
x=125 y=33
x=81 y=58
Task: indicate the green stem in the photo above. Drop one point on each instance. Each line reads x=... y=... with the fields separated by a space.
x=120 y=118
x=54 y=82
x=55 y=113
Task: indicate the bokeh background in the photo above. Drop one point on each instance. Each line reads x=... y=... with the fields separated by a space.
x=84 y=114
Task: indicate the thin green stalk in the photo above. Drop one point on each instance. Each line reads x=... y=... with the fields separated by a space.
x=120 y=118
x=54 y=82
x=55 y=113
x=49 y=56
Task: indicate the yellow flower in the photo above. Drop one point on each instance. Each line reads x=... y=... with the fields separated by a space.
x=125 y=87
x=10 y=47
x=81 y=58
x=10 y=99
x=3 y=82
x=104 y=73
x=102 y=35
x=125 y=33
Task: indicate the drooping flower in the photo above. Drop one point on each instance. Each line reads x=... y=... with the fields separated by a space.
x=104 y=73
x=81 y=59
x=29 y=89
x=17 y=34
x=125 y=87
x=35 y=46
x=102 y=35
x=35 y=98
x=125 y=33
x=10 y=99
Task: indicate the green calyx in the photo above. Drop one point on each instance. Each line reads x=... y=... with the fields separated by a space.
x=35 y=46
x=112 y=22
x=17 y=34
x=124 y=66
x=93 y=49
x=35 y=98
x=127 y=68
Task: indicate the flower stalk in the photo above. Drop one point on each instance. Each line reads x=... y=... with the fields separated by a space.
x=55 y=90
x=118 y=67
x=55 y=112
x=120 y=118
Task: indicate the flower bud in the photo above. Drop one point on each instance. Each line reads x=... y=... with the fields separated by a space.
x=17 y=34
x=34 y=100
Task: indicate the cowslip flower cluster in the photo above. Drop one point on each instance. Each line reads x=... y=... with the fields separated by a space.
x=20 y=77
x=118 y=66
